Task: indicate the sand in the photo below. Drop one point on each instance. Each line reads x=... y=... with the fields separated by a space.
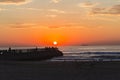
x=47 y=70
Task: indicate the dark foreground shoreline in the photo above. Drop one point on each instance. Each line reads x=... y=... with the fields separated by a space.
x=47 y=70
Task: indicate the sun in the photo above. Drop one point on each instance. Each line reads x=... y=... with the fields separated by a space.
x=55 y=42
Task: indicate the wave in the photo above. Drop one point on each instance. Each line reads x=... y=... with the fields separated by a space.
x=89 y=56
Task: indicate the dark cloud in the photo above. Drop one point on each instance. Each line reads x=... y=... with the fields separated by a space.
x=14 y=1
x=114 y=10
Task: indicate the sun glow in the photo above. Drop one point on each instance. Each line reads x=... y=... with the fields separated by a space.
x=55 y=42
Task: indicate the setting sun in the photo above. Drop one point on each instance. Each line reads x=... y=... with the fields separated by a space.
x=55 y=42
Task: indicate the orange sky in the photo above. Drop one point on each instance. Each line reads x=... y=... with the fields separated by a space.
x=69 y=22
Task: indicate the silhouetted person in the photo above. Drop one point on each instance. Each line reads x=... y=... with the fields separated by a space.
x=9 y=49
x=36 y=48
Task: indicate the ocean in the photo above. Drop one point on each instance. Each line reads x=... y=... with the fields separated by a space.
x=85 y=53
x=89 y=53
x=79 y=49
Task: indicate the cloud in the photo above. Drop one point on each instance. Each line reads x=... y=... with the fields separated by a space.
x=57 y=11
x=1 y=9
x=54 y=12
x=87 y=4
x=114 y=10
x=54 y=27
x=118 y=1
x=33 y=9
x=35 y=25
x=51 y=15
x=16 y=2
x=69 y=25
x=55 y=1
x=22 y=25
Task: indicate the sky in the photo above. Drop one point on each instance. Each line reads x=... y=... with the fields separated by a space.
x=68 y=22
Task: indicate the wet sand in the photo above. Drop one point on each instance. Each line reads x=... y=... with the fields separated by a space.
x=59 y=70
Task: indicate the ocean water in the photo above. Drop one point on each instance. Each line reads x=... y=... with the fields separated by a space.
x=85 y=53
x=79 y=49
x=89 y=53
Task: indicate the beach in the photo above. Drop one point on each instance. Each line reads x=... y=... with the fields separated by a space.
x=68 y=70
x=77 y=63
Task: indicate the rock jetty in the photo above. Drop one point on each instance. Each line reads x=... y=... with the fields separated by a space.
x=30 y=54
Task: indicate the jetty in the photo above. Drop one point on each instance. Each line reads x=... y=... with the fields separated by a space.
x=30 y=54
